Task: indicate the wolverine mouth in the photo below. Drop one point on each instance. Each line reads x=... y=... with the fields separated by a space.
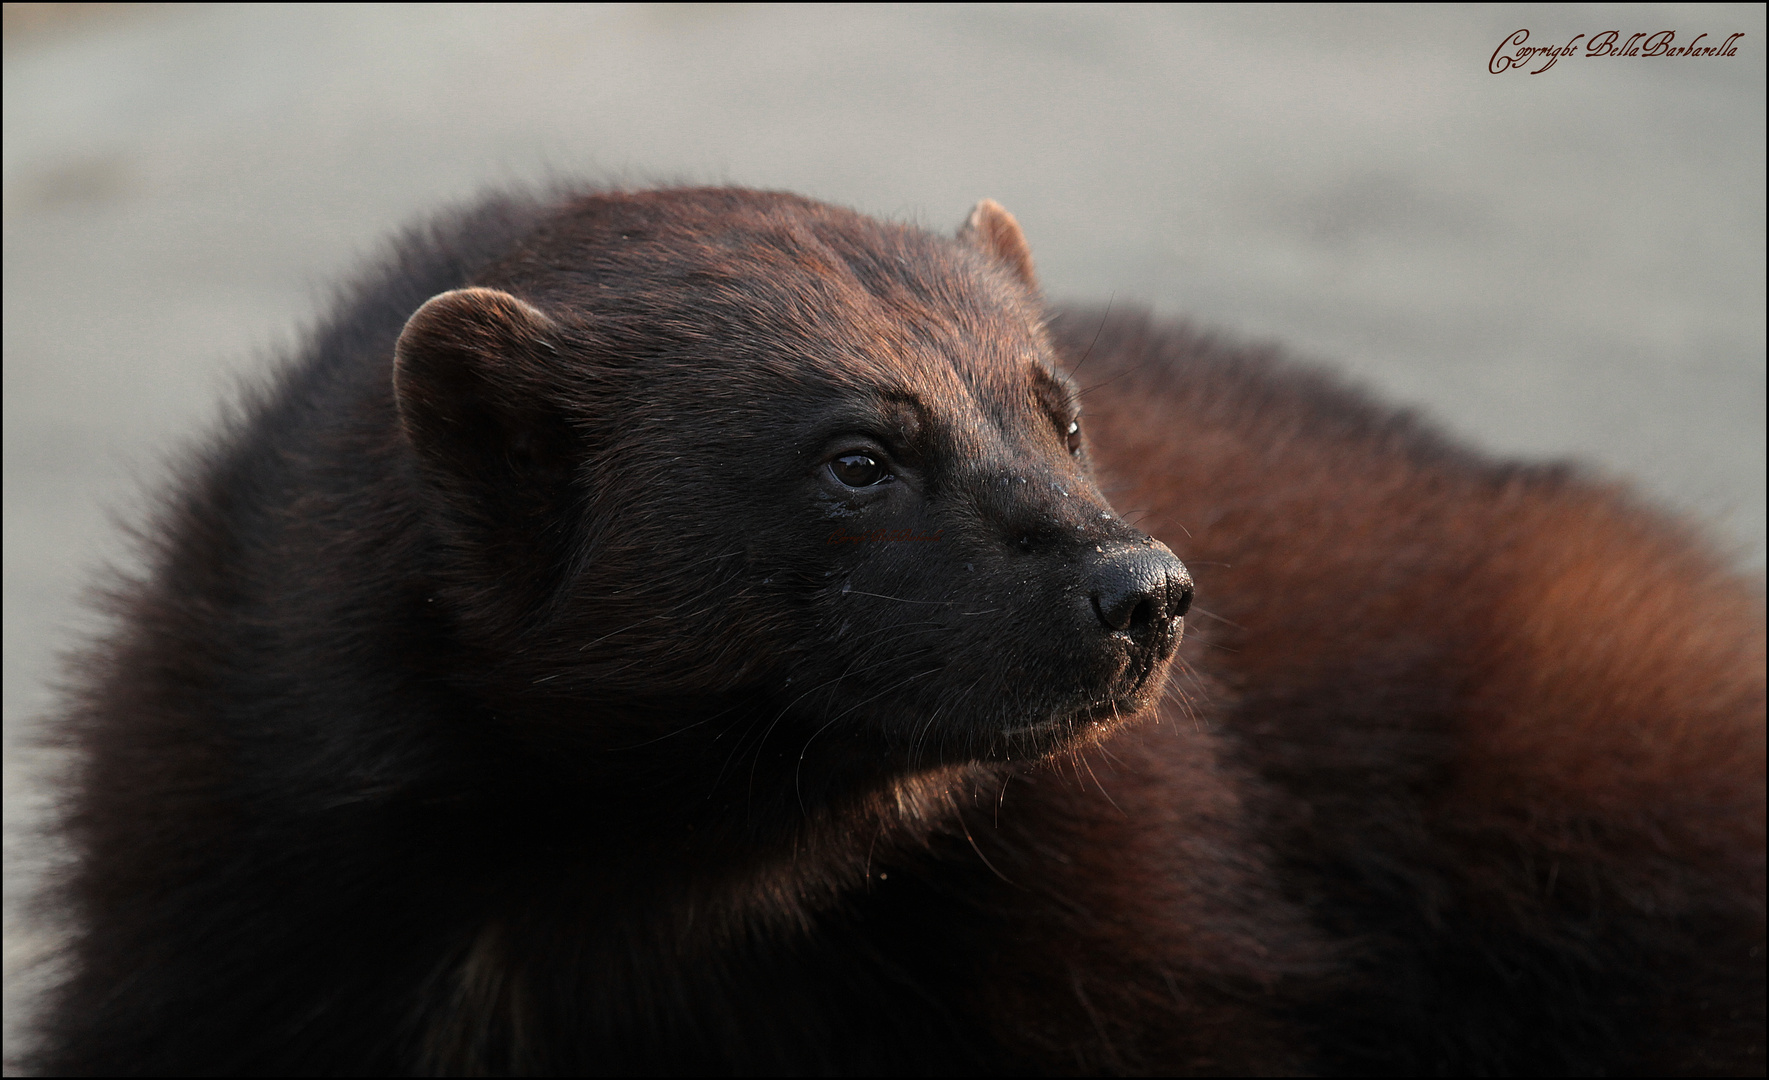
x=1131 y=689
x=1065 y=723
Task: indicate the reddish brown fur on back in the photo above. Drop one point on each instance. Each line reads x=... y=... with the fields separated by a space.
x=1497 y=701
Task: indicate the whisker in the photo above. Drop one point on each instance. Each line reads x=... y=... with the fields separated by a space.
x=622 y=630
x=965 y=825
x=1218 y=618
x=671 y=734
x=1081 y=757
x=798 y=768
x=900 y=599
x=1096 y=333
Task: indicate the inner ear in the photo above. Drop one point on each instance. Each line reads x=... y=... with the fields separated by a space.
x=993 y=231
x=474 y=375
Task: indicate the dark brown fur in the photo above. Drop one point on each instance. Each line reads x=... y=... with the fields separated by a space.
x=497 y=704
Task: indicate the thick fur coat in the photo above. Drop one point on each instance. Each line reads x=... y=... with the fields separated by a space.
x=690 y=631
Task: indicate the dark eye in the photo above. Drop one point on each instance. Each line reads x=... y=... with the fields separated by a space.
x=857 y=470
x=1073 y=436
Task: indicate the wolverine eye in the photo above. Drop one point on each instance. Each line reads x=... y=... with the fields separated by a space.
x=857 y=470
x=1073 y=436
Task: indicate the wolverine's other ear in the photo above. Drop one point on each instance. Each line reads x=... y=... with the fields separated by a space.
x=471 y=375
x=993 y=231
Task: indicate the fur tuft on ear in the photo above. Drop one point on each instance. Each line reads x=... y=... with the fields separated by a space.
x=992 y=230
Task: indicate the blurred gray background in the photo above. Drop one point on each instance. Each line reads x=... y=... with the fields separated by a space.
x=1564 y=264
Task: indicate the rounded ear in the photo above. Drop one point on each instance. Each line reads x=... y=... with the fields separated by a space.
x=471 y=373
x=477 y=380
x=993 y=231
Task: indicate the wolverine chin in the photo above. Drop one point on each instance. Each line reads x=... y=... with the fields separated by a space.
x=1065 y=730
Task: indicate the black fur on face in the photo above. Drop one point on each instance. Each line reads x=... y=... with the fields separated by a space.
x=827 y=497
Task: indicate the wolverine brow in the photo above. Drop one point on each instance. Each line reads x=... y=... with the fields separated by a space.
x=896 y=418
x=1056 y=392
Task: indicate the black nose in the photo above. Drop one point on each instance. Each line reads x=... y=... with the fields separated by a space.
x=1139 y=589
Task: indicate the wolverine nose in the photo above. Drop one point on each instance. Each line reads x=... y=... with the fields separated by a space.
x=1140 y=590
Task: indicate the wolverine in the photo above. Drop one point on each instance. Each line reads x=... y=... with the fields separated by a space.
x=514 y=687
